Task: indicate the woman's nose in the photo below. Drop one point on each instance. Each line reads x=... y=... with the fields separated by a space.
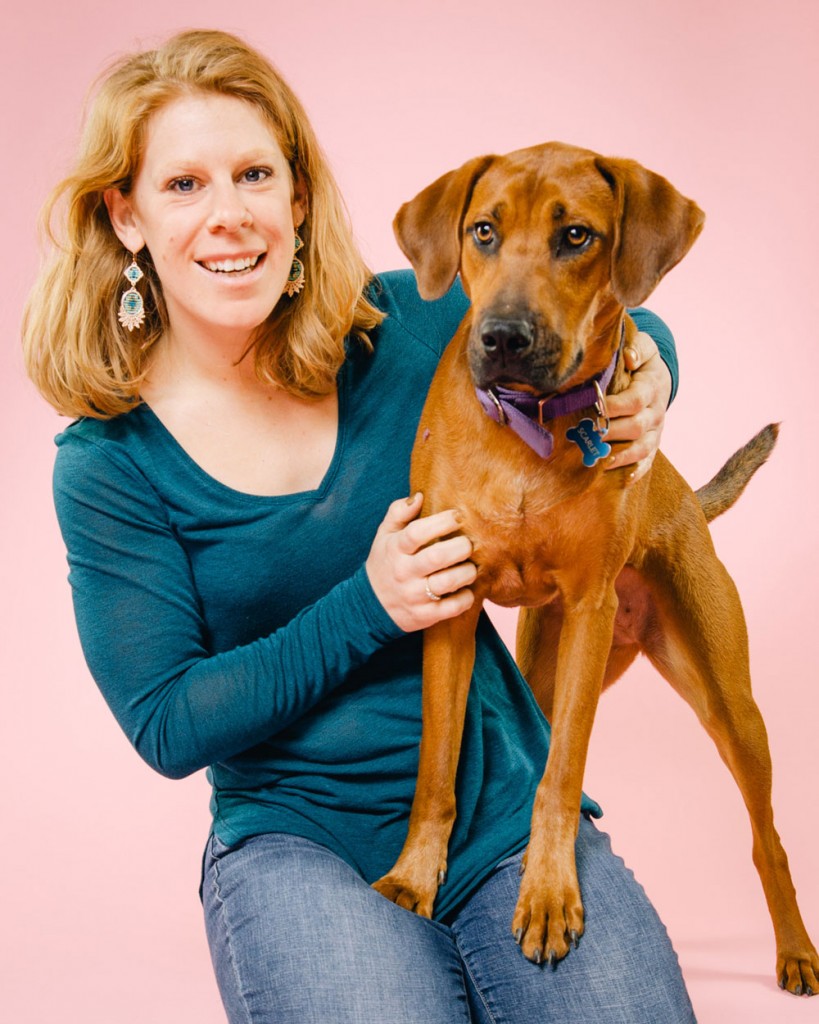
x=228 y=210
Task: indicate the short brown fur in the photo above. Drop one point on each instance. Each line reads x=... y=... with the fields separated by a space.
x=644 y=579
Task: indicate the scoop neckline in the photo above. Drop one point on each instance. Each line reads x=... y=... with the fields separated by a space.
x=214 y=483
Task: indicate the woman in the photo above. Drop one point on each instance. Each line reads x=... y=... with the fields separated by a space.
x=249 y=582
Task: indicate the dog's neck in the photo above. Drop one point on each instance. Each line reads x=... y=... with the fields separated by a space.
x=527 y=414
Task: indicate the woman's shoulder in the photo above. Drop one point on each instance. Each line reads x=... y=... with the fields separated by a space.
x=108 y=434
x=432 y=323
x=102 y=447
x=105 y=472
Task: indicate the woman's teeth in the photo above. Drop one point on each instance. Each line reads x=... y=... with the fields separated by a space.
x=232 y=266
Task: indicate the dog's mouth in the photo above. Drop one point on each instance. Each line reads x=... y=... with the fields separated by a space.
x=519 y=352
x=515 y=385
x=537 y=374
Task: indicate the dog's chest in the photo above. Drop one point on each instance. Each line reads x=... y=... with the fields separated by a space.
x=524 y=533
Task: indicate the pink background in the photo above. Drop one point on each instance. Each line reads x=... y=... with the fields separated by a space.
x=100 y=857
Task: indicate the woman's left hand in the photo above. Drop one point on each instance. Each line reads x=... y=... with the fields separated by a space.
x=637 y=414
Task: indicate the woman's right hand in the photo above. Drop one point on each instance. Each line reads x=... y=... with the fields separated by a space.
x=410 y=554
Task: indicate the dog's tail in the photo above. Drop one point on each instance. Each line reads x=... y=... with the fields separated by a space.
x=719 y=494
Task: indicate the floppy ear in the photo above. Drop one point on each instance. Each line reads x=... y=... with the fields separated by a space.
x=428 y=227
x=655 y=227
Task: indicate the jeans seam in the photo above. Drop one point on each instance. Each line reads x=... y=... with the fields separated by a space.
x=474 y=981
x=223 y=915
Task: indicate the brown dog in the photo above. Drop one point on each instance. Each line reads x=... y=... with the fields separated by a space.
x=553 y=243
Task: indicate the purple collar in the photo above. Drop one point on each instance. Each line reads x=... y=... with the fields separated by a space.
x=526 y=413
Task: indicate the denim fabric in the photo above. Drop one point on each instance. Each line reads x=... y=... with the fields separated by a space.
x=297 y=937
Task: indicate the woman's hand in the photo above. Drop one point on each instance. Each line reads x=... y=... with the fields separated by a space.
x=638 y=413
x=419 y=568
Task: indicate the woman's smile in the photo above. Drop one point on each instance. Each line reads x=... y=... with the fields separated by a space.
x=236 y=265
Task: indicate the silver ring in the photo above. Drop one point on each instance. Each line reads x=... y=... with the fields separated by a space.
x=430 y=592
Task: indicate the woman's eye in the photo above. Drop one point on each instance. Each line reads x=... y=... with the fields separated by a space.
x=182 y=185
x=577 y=236
x=484 y=232
x=255 y=174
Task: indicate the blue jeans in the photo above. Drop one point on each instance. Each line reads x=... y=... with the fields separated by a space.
x=298 y=937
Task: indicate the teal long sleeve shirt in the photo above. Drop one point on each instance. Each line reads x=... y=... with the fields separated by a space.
x=240 y=633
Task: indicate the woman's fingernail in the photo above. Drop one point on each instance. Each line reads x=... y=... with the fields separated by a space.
x=632 y=354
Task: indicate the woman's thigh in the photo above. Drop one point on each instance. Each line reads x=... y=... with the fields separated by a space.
x=297 y=936
x=623 y=972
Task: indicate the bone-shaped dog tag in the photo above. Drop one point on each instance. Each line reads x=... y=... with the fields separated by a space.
x=589 y=440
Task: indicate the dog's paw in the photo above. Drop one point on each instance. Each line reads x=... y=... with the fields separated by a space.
x=410 y=894
x=798 y=972
x=548 y=918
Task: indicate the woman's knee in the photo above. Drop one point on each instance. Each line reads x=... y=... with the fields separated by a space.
x=297 y=935
x=624 y=971
x=634 y=959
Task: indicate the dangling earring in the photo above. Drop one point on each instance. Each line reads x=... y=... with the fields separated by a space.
x=131 y=307
x=295 y=282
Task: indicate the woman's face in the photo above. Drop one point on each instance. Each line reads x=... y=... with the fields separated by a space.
x=214 y=203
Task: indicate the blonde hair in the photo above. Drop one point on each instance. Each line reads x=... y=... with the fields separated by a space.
x=77 y=353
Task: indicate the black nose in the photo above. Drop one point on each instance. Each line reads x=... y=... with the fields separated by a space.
x=506 y=337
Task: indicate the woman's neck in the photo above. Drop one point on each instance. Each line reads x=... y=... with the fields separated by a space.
x=184 y=362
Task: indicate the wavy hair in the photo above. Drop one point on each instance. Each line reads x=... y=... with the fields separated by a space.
x=77 y=353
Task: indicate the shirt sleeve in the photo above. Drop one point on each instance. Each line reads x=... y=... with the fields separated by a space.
x=649 y=322
x=431 y=322
x=144 y=637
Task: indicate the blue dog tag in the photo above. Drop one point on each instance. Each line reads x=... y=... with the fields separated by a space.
x=589 y=441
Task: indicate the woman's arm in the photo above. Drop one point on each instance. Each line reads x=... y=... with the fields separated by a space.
x=145 y=637
x=649 y=323
x=638 y=413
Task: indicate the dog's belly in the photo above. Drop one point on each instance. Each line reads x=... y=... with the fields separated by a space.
x=636 y=619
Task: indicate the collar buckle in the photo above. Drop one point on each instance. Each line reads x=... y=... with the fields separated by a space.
x=503 y=419
x=603 y=421
x=542 y=402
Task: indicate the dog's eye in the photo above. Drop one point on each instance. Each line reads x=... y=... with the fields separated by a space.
x=576 y=236
x=484 y=232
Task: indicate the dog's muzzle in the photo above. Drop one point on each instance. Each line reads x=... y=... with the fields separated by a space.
x=514 y=350
x=506 y=340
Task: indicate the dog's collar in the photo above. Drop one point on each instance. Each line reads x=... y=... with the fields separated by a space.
x=526 y=414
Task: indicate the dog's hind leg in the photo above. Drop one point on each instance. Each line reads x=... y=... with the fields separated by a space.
x=701 y=648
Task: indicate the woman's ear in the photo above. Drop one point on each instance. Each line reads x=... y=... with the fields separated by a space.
x=300 y=204
x=121 y=214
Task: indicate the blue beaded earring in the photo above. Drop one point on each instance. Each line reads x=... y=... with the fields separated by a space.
x=131 y=307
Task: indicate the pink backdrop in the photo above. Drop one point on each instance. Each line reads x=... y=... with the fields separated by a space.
x=101 y=857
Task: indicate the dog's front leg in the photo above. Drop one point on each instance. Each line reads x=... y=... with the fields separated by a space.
x=449 y=656
x=549 y=913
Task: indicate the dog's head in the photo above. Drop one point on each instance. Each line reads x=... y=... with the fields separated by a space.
x=551 y=243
